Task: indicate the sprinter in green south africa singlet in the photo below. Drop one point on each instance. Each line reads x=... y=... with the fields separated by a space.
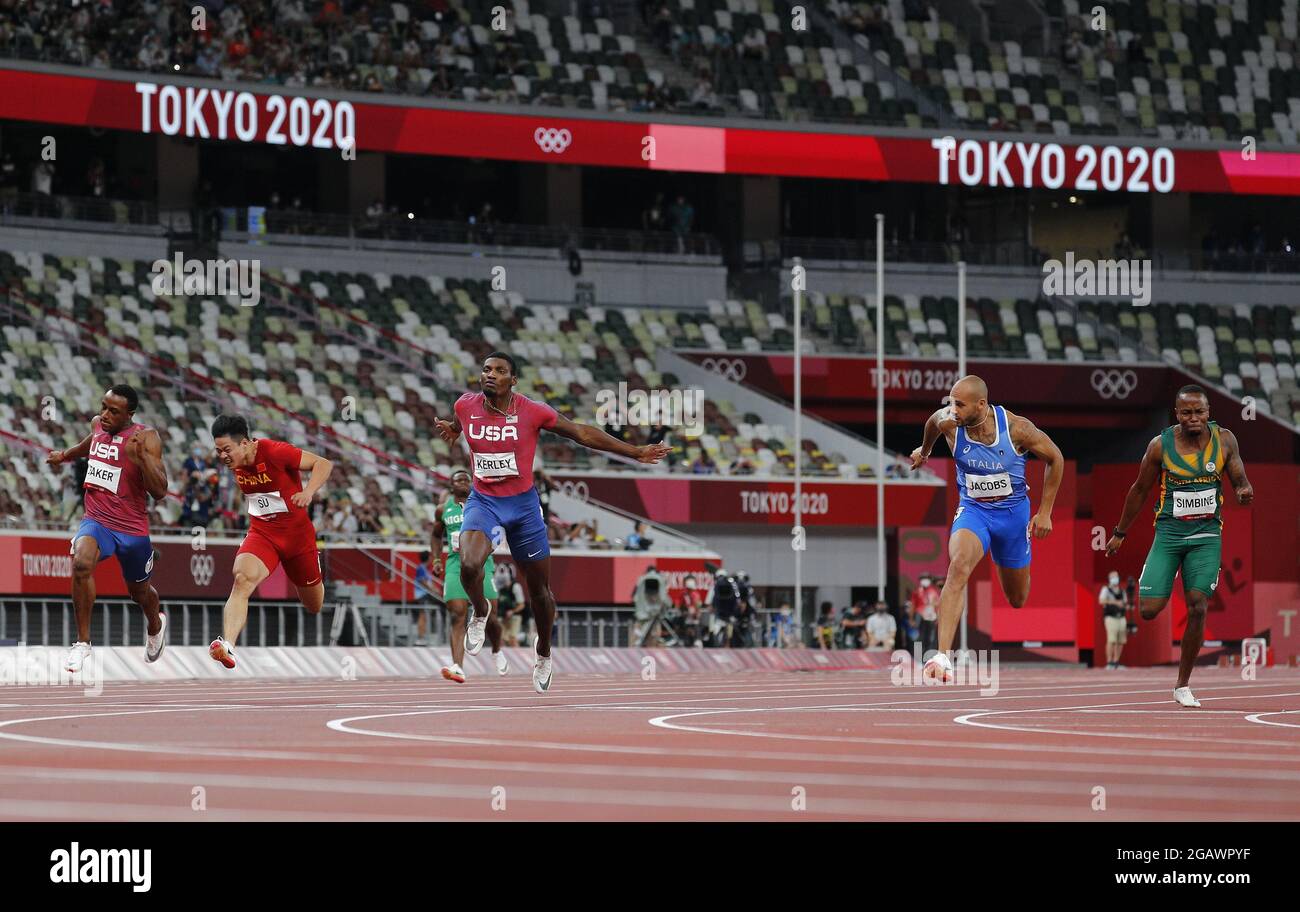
x=453 y=516
x=1188 y=518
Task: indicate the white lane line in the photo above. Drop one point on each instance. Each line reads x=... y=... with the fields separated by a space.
x=970 y=719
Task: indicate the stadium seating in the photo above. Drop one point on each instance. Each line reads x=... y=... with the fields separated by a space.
x=1200 y=69
x=333 y=374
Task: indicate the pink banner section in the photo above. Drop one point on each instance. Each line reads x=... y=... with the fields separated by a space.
x=30 y=665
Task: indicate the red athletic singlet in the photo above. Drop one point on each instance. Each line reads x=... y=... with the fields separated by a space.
x=115 y=493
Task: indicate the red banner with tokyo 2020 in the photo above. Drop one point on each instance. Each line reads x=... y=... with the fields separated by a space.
x=233 y=112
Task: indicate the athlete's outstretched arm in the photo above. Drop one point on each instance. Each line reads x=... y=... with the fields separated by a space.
x=1148 y=472
x=320 y=469
x=435 y=542
x=145 y=450
x=596 y=439
x=1026 y=436
x=936 y=426
x=1236 y=469
x=81 y=450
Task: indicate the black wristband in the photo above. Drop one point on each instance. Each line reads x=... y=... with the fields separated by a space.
x=1116 y=533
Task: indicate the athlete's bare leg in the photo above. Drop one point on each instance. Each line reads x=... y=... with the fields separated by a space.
x=458 y=609
x=964 y=551
x=475 y=547
x=1193 y=636
x=537 y=580
x=146 y=596
x=312 y=597
x=1015 y=584
x=85 y=557
x=249 y=573
x=494 y=628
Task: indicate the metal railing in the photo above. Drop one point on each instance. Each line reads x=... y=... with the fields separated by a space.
x=17 y=205
x=299 y=226
x=51 y=621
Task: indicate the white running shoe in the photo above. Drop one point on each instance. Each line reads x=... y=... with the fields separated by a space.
x=1183 y=697
x=503 y=665
x=453 y=672
x=476 y=633
x=223 y=652
x=938 y=668
x=77 y=654
x=541 y=672
x=154 y=645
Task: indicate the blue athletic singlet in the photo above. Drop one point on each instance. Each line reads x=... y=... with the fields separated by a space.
x=993 y=493
x=990 y=476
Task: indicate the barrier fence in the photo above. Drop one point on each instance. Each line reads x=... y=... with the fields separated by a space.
x=120 y=622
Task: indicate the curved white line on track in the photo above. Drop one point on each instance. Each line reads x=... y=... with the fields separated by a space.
x=1259 y=717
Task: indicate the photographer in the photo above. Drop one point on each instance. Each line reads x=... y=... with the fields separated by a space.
x=746 y=610
x=724 y=599
x=1114 y=603
x=650 y=600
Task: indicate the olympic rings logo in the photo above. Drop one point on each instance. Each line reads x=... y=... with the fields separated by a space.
x=552 y=140
x=1114 y=384
x=575 y=489
x=202 y=568
x=732 y=369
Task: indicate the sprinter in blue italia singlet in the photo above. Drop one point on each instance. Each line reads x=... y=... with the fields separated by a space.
x=988 y=445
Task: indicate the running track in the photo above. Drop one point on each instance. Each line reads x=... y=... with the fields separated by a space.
x=736 y=746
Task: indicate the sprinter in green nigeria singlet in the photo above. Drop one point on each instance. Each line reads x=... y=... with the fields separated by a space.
x=1190 y=460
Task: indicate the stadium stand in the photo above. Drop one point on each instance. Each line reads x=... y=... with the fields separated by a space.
x=1199 y=70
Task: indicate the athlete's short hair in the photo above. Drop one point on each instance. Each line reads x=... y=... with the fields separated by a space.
x=1191 y=389
x=127 y=392
x=514 y=368
x=233 y=426
x=459 y=471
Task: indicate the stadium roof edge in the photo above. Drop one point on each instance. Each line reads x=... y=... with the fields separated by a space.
x=412 y=101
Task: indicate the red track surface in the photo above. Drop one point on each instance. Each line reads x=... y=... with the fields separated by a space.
x=683 y=747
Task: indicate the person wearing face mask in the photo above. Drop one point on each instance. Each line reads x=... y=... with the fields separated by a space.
x=1114 y=607
x=881 y=628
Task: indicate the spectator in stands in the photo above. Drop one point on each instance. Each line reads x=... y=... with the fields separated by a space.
x=461 y=40
x=1124 y=247
x=1113 y=601
x=682 y=217
x=925 y=602
x=742 y=465
x=653 y=218
x=704 y=464
x=639 y=540
x=853 y=626
x=8 y=183
x=424 y=601
x=882 y=629
x=1072 y=51
x=1135 y=55
x=43 y=177
x=826 y=627
x=703 y=97
x=754 y=45
x=663 y=29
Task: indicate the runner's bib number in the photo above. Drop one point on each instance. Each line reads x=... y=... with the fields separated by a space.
x=103 y=475
x=1195 y=504
x=982 y=487
x=495 y=465
x=455 y=541
x=264 y=505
